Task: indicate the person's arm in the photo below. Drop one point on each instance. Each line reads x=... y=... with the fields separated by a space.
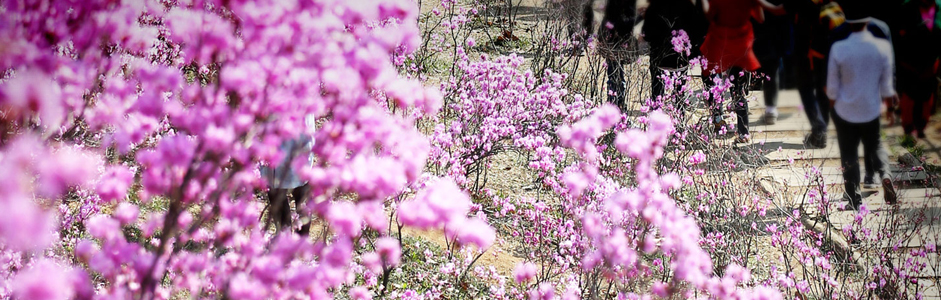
x=759 y=14
x=776 y=10
x=705 y=7
x=833 y=77
x=886 y=84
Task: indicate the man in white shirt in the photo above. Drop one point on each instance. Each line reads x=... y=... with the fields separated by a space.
x=859 y=78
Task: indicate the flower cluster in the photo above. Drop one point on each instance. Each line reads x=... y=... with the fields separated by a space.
x=494 y=107
x=175 y=106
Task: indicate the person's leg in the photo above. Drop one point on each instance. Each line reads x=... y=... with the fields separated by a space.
x=907 y=106
x=848 y=138
x=924 y=114
x=870 y=168
x=300 y=196
x=740 y=80
x=771 y=69
x=656 y=85
x=820 y=88
x=680 y=78
x=615 y=72
x=709 y=81
x=570 y=14
x=805 y=86
x=588 y=18
x=277 y=207
x=876 y=156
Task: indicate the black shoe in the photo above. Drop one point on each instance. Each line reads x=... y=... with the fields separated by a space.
x=870 y=183
x=815 y=141
x=852 y=203
x=891 y=197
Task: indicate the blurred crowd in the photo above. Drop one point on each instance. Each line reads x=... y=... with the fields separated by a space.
x=850 y=60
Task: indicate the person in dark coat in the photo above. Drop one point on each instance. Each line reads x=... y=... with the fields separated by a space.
x=773 y=42
x=813 y=20
x=917 y=43
x=664 y=19
x=618 y=45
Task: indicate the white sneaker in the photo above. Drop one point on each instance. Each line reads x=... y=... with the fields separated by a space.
x=769 y=118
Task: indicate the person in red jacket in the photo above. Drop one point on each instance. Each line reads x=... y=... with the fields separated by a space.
x=729 y=55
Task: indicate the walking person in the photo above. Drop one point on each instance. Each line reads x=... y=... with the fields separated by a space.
x=859 y=78
x=663 y=20
x=729 y=55
x=878 y=29
x=773 y=42
x=813 y=20
x=917 y=37
x=618 y=46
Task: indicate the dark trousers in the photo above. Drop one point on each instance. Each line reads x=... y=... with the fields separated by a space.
x=616 y=84
x=738 y=90
x=870 y=162
x=810 y=85
x=848 y=136
x=656 y=82
x=658 y=86
x=280 y=209
x=915 y=112
x=771 y=68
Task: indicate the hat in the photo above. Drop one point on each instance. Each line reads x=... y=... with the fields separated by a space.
x=858 y=21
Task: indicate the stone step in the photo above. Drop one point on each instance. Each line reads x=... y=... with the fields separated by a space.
x=927 y=289
x=913 y=224
x=794 y=153
x=923 y=267
x=834 y=175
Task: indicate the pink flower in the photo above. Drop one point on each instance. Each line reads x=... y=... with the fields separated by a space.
x=245 y=287
x=524 y=272
x=23 y=224
x=360 y=293
x=660 y=289
x=374 y=215
x=45 y=280
x=472 y=231
x=114 y=183
x=389 y=251
x=104 y=228
x=446 y=199
x=66 y=167
x=344 y=218
x=372 y=262
x=545 y=292
x=441 y=202
x=681 y=42
x=32 y=93
x=698 y=157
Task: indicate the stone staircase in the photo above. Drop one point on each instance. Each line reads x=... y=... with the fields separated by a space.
x=911 y=225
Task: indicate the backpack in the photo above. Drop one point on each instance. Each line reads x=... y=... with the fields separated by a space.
x=831 y=16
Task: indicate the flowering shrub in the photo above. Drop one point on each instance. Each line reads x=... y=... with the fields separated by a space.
x=132 y=137
x=495 y=108
x=178 y=104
